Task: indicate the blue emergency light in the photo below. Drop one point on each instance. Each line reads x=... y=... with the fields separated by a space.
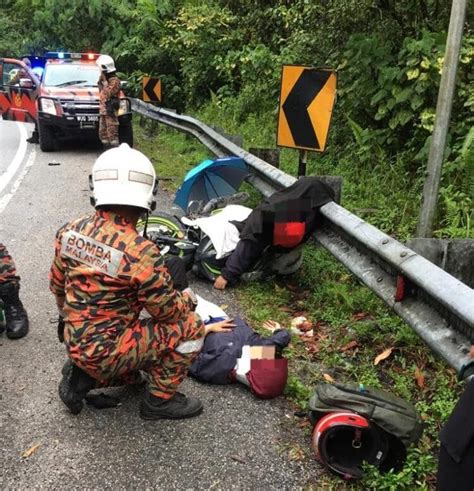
x=61 y=55
x=37 y=64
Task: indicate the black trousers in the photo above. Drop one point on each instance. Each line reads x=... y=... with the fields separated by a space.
x=456 y=456
x=177 y=271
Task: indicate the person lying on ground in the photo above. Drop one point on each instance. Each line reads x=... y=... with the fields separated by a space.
x=239 y=354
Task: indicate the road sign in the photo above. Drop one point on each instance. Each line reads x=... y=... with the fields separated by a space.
x=151 y=89
x=306 y=100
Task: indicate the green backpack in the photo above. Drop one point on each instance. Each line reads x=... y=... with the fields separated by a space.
x=394 y=415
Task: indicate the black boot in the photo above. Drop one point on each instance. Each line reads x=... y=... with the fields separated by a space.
x=34 y=138
x=74 y=386
x=178 y=407
x=15 y=314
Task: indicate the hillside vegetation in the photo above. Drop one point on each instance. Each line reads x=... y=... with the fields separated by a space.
x=223 y=59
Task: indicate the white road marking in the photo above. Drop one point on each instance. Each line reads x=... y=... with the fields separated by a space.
x=6 y=199
x=17 y=159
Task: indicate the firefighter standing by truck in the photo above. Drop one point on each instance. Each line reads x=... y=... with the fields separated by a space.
x=22 y=73
x=109 y=90
x=103 y=275
x=15 y=314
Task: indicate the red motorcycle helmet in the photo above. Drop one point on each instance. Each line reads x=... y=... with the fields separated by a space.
x=342 y=441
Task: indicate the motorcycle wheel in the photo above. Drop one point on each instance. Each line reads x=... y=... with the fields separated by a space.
x=164 y=224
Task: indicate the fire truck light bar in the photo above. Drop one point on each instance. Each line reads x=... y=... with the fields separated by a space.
x=61 y=55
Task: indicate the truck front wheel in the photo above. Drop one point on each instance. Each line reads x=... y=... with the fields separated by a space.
x=46 y=137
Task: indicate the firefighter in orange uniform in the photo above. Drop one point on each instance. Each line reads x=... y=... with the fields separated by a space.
x=109 y=102
x=22 y=73
x=103 y=275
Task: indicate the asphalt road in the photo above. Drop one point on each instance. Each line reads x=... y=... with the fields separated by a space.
x=238 y=442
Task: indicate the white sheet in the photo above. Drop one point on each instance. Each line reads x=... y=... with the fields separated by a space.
x=206 y=309
x=224 y=236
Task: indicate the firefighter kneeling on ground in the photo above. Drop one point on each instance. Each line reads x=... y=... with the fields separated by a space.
x=103 y=275
x=109 y=102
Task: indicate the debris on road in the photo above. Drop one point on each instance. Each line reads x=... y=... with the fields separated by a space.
x=237 y=459
x=30 y=451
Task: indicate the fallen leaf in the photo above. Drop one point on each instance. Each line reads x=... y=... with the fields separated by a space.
x=306 y=326
x=224 y=306
x=30 y=451
x=360 y=315
x=312 y=346
x=383 y=355
x=351 y=345
x=420 y=378
x=328 y=377
x=285 y=309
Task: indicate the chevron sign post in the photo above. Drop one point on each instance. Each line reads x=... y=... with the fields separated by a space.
x=307 y=97
x=151 y=89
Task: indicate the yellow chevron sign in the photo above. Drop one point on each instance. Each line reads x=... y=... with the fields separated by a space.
x=307 y=97
x=151 y=89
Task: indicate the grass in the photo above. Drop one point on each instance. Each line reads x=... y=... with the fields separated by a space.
x=172 y=153
x=351 y=325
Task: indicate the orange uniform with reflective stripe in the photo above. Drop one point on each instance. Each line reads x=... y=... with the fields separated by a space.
x=108 y=274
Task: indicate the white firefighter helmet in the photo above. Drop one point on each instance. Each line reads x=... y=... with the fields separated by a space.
x=123 y=176
x=106 y=63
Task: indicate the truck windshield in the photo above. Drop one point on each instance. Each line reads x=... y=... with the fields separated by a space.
x=78 y=74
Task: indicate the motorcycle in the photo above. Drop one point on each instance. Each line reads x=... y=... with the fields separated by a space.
x=195 y=248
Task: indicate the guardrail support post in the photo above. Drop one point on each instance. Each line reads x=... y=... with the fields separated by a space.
x=302 y=163
x=235 y=139
x=270 y=155
x=455 y=256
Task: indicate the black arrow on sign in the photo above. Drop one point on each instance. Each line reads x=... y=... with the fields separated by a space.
x=306 y=88
x=149 y=89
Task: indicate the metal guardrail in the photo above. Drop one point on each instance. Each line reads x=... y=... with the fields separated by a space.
x=436 y=305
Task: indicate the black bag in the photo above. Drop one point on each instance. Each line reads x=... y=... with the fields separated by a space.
x=391 y=413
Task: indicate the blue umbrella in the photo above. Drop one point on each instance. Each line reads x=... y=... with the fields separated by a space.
x=212 y=179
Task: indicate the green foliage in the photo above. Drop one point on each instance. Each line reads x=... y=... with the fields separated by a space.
x=298 y=391
x=10 y=36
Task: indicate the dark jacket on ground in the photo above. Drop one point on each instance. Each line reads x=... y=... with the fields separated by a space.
x=221 y=350
x=294 y=210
